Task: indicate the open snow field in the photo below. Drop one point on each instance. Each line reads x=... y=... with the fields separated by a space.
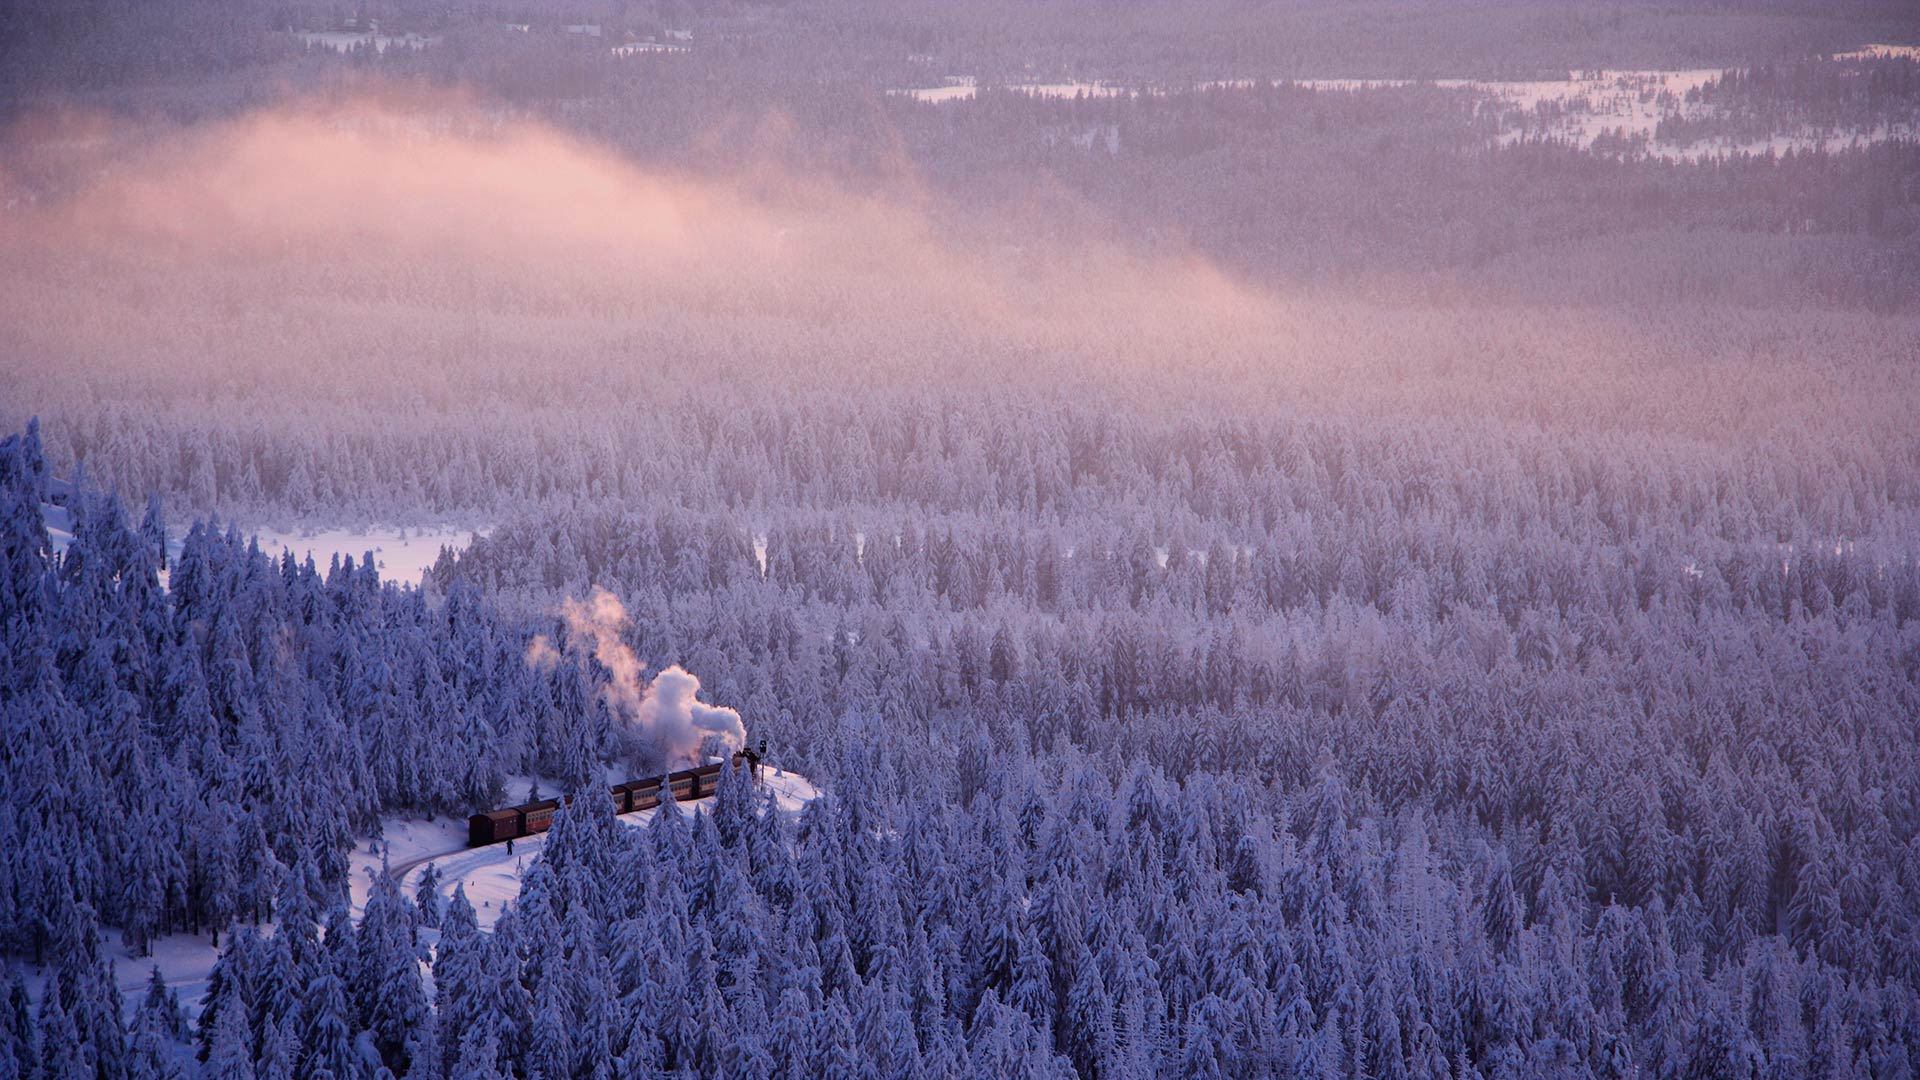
x=402 y=553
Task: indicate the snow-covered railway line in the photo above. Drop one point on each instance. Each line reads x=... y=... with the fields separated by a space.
x=407 y=846
x=491 y=873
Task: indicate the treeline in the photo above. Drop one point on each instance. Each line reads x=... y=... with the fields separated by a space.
x=1754 y=470
x=1291 y=184
x=1821 y=94
x=1164 y=44
x=1285 y=184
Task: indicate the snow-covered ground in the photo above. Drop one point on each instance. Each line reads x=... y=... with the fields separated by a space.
x=491 y=874
x=344 y=40
x=1582 y=108
x=1881 y=52
x=1586 y=105
x=962 y=87
x=402 y=554
x=59 y=521
x=645 y=48
x=492 y=878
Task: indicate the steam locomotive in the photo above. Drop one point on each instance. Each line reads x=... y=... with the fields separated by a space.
x=528 y=819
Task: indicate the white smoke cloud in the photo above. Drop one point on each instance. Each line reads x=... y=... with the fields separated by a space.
x=672 y=714
x=666 y=714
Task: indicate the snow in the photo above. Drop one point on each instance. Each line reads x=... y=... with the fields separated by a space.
x=492 y=878
x=955 y=88
x=402 y=553
x=1881 y=52
x=346 y=40
x=491 y=874
x=59 y=526
x=1629 y=103
x=637 y=48
x=965 y=87
x=185 y=961
x=59 y=521
x=1582 y=108
x=1343 y=86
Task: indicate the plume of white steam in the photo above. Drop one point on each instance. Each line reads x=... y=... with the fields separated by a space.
x=667 y=713
x=601 y=619
x=541 y=655
x=670 y=712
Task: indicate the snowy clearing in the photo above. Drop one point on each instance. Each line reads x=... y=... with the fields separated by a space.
x=402 y=553
x=1582 y=108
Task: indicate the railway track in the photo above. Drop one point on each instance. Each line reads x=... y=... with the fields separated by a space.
x=780 y=783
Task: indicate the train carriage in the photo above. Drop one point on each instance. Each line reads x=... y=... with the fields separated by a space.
x=539 y=815
x=642 y=794
x=493 y=826
x=528 y=819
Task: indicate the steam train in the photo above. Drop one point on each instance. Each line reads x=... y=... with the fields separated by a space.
x=528 y=819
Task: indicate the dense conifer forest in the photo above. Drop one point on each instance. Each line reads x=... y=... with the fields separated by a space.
x=1270 y=578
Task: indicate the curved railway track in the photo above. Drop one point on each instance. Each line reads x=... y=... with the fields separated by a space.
x=772 y=780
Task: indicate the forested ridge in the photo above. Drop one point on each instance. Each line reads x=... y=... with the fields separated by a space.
x=1219 y=151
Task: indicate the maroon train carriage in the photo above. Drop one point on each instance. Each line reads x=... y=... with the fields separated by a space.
x=513 y=822
x=638 y=795
x=539 y=816
x=493 y=827
x=686 y=783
